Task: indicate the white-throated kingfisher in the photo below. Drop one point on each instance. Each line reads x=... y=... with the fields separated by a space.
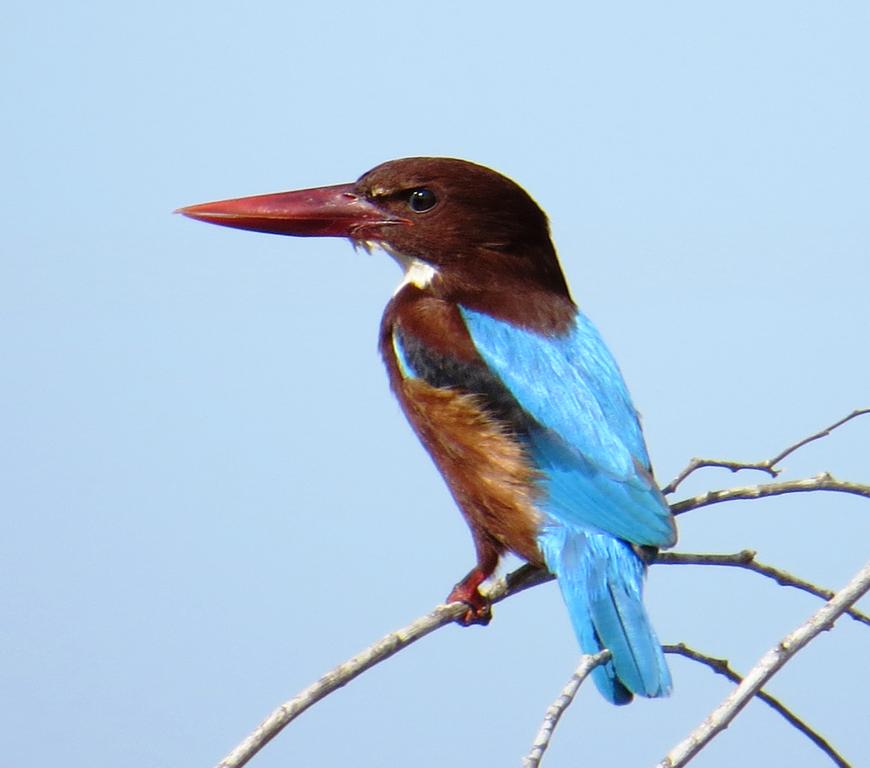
x=509 y=387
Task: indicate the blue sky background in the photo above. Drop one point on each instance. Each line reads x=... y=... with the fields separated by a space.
x=208 y=495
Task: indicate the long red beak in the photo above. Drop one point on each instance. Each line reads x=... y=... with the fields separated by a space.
x=324 y=211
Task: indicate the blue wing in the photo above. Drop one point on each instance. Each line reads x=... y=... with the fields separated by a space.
x=587 y=440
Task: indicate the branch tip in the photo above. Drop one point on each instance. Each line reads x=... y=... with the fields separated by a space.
x=766 y=667
x=767 y=465
x=723 y=667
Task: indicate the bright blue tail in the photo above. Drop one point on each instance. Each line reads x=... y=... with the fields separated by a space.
x=601 y=579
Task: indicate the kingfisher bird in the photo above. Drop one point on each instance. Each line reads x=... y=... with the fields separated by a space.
x=510 y=388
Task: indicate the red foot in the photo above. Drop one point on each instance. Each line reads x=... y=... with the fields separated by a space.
x=479 y=608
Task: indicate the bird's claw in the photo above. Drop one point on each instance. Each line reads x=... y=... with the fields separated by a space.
x=479 y=608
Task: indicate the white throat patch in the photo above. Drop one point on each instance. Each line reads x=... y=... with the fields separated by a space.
x=417 y=272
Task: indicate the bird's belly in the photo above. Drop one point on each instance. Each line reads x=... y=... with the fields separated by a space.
x=486 y=468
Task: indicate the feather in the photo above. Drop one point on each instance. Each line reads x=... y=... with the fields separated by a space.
x=601 y=579
x=587 y=440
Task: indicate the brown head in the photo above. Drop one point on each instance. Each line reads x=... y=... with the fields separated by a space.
x=473 y=226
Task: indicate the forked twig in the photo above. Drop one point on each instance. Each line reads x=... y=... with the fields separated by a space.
x=557 y=708
x=745 y=559
x=719 y=666
x=722 y=667
x=765 y=668
x=768 y=465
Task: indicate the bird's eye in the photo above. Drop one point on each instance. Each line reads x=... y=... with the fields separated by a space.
x=421 y=200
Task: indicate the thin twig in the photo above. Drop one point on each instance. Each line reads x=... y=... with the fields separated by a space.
x=768 y=465
x=722 y=667
x=521 y=579
x=818 y=435
x=557 y=708
x=822 y=482
x=698 y=463
x=746 y=560
x=765 y=668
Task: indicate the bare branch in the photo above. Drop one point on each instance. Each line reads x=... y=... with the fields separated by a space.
x=768 y=465
x=818 y=435
x=698 y=463
x=722 y=667
x=746 y=560
x=557 y=708
x=765 y=668
x=521 y=579
x=822 y=482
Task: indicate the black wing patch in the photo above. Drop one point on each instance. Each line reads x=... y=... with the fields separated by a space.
x=446 y=372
